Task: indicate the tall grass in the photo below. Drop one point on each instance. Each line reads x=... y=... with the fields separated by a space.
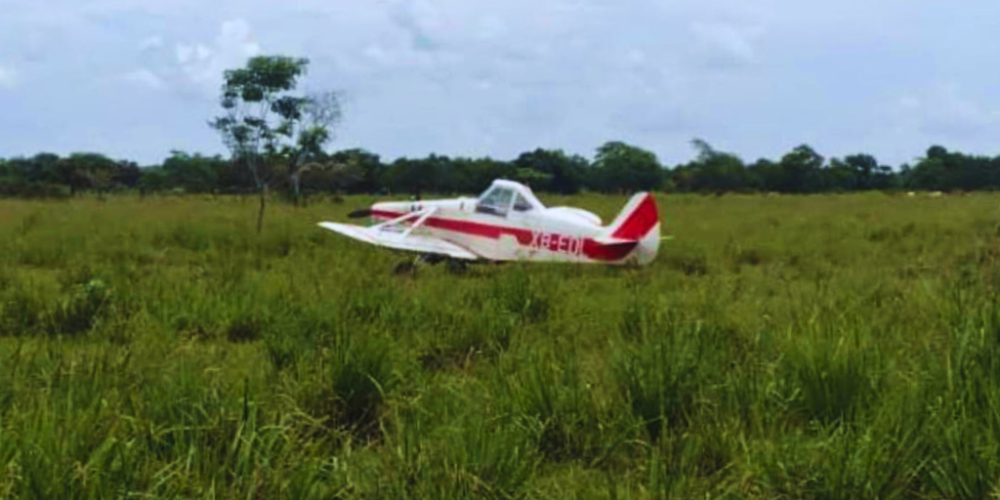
x=780 y=347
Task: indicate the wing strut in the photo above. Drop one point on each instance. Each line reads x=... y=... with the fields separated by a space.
x=379 y=235
x=420 y=221
x=397 y=220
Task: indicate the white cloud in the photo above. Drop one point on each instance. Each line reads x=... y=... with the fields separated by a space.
x=203 y=65
x=195 y=67
x=501 y=76
x=492 y=28
x=146 y=78
x=725 y=44
x=418 y=18
x=945 y=110
x=183 y=52
x=151 y=43
x=8 y=77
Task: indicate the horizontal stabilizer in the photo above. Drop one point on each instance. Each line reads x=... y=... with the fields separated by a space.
x=609 y=240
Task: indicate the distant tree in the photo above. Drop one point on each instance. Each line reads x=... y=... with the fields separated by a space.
x=45 y=168
x=992 y=180
x=971 y=172
x=308 y=122
x=260 y=115
x=475 y=175
x=867 y=173
x=531 y=177
x=417 y=176
x=367 y=164
x=621 y=167
x=193 y=173
x=928 y=174
x=83 y=171
x=127 y=175
x=153 y=179
x=334 y=177
x=765 y=175
x=712 y=170
x=801 y=171
x=937 y=153
x=558 y=172
x=935 y=171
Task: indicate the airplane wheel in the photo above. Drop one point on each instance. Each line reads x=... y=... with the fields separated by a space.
x=456 y=266
x=430 y=259
x=405 y=267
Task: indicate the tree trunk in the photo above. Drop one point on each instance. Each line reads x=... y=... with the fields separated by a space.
x=260 y=213
x=295 y=188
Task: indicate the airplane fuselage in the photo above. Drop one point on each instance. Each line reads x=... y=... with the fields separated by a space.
x=540 y=234
x=507 y=222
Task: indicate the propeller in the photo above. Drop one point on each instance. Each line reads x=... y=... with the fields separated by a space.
x=360 y=213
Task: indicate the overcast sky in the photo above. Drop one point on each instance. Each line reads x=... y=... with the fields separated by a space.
x=136 y=79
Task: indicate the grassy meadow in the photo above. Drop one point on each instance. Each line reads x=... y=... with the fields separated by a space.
x=841 y=346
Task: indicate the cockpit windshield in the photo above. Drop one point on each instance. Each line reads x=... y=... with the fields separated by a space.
x=496 y=202
x=521 y=204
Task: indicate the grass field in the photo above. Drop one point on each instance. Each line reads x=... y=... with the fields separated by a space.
x=780 y=347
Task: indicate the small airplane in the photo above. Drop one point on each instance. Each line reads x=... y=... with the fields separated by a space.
x=508 y=223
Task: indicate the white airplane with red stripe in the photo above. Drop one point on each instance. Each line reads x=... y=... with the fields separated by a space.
x=508 y=223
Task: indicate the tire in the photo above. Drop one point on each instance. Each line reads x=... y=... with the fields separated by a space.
x=456 y=266
x=404 y=268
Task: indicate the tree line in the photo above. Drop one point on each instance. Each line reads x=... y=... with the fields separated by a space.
x=616 y=167
x=277 y=139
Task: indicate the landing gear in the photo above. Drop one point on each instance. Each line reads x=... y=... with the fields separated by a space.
x=409 y=267
x=457 y=267
x=406 y=267
x=431 y=259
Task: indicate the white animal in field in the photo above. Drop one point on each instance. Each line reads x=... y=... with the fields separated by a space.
x=508 y=223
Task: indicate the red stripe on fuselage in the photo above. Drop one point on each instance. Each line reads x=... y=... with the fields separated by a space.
x=591 y=249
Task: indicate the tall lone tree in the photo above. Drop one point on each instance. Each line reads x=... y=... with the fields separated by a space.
x=308 y=122
x=264 y=121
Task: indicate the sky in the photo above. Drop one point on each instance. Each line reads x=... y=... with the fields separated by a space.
x=136 y=79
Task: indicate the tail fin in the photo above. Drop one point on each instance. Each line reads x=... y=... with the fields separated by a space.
x=637 y=228
x=636 y=220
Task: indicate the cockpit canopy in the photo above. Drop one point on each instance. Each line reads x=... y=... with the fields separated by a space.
x=504 y=196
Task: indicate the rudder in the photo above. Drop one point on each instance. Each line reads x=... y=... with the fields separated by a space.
x=637 y=219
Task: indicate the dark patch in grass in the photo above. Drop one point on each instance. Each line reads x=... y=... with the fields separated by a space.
x=245 y=328
x=21 y=312
x=29 y=223
x=78 y=313
x=468 y=337
x=366 y=304
x=890 y=234
x=442 y=359
x=690 y=265
x=44 y=256
x=829 y=381
x=191 y=327
x=353 y=386
x=634 y=319
x=662 y=375
x=548 y=396
x=748 y=256
x=518 y=295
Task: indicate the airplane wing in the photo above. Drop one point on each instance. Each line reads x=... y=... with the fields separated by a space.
x=388 y=235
